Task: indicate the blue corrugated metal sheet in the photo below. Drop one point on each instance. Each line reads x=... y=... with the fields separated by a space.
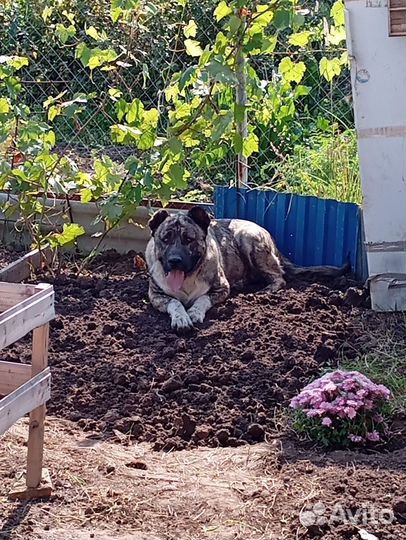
x=307 y=230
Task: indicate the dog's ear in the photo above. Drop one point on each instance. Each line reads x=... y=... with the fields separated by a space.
x=156 y=220
x=200 y=216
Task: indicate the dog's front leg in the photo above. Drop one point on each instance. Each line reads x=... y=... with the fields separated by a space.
x=216 y=295
x=180 y=320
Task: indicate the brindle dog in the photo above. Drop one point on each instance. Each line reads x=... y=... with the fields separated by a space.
x=194 y=261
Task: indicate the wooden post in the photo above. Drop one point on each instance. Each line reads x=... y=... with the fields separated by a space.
x=242 y=125
x=37 y=416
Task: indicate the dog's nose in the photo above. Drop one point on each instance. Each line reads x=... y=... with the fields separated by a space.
x=175 y=261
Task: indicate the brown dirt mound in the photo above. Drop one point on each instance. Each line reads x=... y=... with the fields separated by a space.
x=116 y=364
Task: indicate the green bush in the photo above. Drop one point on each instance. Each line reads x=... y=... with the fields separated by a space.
x=325 y=166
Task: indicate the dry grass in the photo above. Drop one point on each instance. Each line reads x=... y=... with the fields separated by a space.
x=254 y=492
x=98 y=486
x=381 y=354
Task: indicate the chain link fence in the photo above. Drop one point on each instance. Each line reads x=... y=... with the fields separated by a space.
x=149 y=53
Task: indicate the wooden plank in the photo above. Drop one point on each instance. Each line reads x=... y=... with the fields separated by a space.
x=21 y=269
x=13 y=375
x=27 y=397
x=14 y=297
x=396 y=4
x=20 y=491
x=40 y=341
x=17 y=322
x=10 y=298
x=37 y=416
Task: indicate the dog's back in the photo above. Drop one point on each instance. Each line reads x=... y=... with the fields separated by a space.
x=248 y=253
x=254 y=247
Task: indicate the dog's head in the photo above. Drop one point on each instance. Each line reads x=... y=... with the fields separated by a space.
x=180 y=242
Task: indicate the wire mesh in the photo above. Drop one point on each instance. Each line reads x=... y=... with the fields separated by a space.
x=150 y=53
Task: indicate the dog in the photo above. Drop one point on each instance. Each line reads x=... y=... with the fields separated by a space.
x=194 y=261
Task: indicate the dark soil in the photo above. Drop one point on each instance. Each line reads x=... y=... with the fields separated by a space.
x=344 y=492
x=118 y=367
x=120 y=371
x=8 y=255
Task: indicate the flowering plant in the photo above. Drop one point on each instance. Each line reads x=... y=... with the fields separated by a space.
x=340 y=408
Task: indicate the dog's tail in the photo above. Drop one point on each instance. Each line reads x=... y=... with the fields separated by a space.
x=291 y=269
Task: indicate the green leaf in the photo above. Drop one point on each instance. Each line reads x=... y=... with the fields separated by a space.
x=323 y=124
x=115 y=93
x=120 y=7
x=290 y=71
x=329 y=68
x=111 y=210
x=99 y=57
x=49 y=139
x=300 y=39
x=337 y=12
x=175 y=145
x=193 y=47
x=281 y=19
x=17 y=62
x=186 y=76
x=133 y=165
x=176 y=172
x=222 y=10
x=123 y=134
x=86 y=195
x=92 y=32
x=220 y=124
x=147 y=140
x=65 y=32
x=254 y=41
x=250 y=145
x=268 y=45
x=234 y=23
x=301 y=90
x=150 y=118
x=258 y=43
x=53 y=112
x=190 y=29
x=135 y=112
x=344 y=61
x=205 y=57
x=68 y=235
x=298 y=21
x=46 y=12
x=336 y=35
x=83 y=53
x=221 y=72
x=4 y=106
x=263 y=15
x=182 y=111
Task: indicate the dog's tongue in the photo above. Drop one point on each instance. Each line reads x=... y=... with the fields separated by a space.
x=175 y=279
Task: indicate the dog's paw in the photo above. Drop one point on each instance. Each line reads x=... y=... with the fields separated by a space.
x=181 y=322
x=196 y=314
x=278 y=284
x=199 y=309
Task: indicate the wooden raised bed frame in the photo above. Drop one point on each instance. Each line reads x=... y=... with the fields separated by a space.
x=26 y=308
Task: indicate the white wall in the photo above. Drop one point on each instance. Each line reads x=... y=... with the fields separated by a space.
x=378 y=72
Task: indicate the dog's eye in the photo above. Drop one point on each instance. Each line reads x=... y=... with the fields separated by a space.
x=167 y=237
x=187 y=239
